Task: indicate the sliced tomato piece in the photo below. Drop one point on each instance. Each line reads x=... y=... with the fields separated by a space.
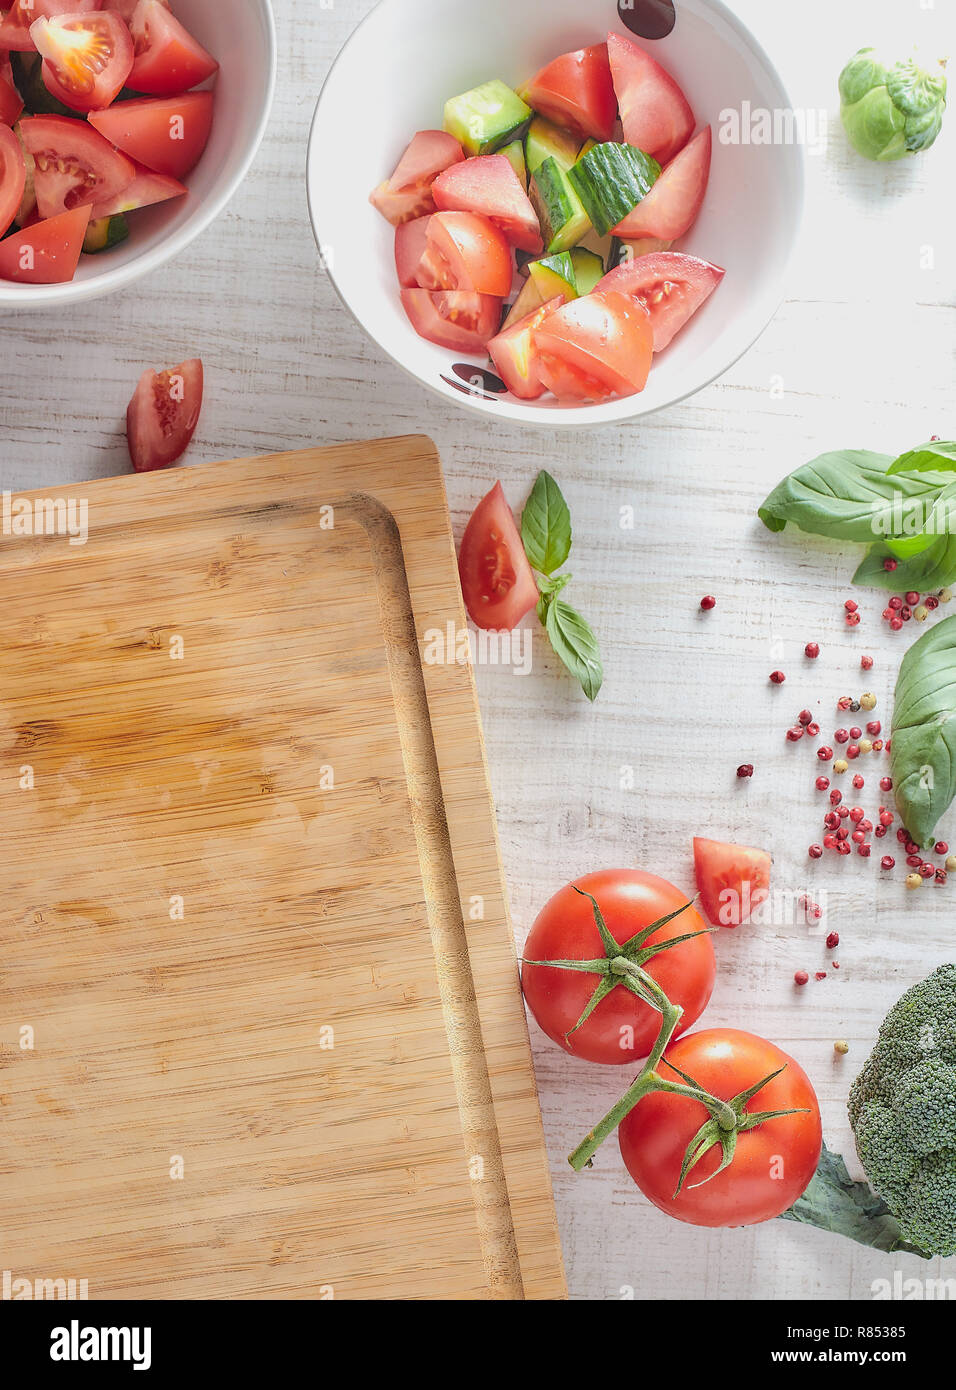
x=15 y=27
x=407 y=194
x=732 y=881
x=410 y=241
x=127 y=8
x=672 y=287
x=144 y=191
x=466 y=252
x=598 y=346
x=46 y=253
x=86 y=58
x=167 y=134
x=489 y=185
x=168 y=59
x=74 y=165
x=515 y=354
x=163 y=415
x=496 y=579
x=576 y=91
x=674 y=203
x=656 y=115
x=11 y=102
x=13 y=177
x=454 y=319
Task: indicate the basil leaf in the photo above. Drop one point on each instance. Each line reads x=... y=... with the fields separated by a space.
x=924 y=731
x=848 y=496
x=546 y=526
x=937 y=456
x=574 y=642
x=934 y=568
x=834 y=1202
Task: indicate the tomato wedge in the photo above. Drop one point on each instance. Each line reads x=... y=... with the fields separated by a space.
x=465 y=252
x=598 y=346
x=86 y=58
x=11 y=102
x=15 y=27
x=654 y=111
x=576 y=91
x=407 y=195
x=456 y=319
x=168 y=59
x=671 y=287
x=674 y=203
x=489 y=185
x=167 y=134
x=515 y=353
x=74 y=165
x=410 y=241
x=496 y=579
x=144 y=191
x=46 y=253
x=163 y=415
x=732 y=881
x=13 y=177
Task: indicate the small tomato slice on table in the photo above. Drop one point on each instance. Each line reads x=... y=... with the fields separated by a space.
x=656 y=115
x=411 y=239
x=497 y=581
x=455 y=319
x=168 y=59
x=144 y=191
x=22 y=14
x=515 y=356
x=773 y=1163
x=45 y=253
x=672 y=287
x=11 y=102
x=74 y=164
x=596 y=347
x=465 y=252
x=733 y=881
x=13 y=177
x=489 y=186
x=167 y=134
x=674 y=203
x=622 y=1028
x=407 y=195
x=86 y=58
x=576 y=91
x=163 y=415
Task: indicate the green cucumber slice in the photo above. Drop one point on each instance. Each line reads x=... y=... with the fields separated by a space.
x=514 y=153
x=528 y=300
x=547 y=141
x=105 y=233
x=623 y=252
x=588 y=269
x=563 y=219
x=611 y=180
x=487 y=118
x=554 y=275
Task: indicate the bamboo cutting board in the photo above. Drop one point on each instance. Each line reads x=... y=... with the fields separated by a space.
x=261 y=1034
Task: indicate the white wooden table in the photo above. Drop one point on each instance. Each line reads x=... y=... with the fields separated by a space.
x=861 y=354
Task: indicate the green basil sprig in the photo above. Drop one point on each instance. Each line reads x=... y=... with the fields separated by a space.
x=547 y=536
x=924 y=731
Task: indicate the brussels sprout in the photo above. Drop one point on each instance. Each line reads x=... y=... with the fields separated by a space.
x=890 y=110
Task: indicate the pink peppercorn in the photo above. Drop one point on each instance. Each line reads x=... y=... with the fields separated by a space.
x=844 y=703
x=821 y=975
x=831 y=820
x=874 y=727
x=708 y=604
x=912 y=598
x=745 y=770
x=843 y=833
x=865 y=851
x=801 y=978
x=886 y=819
x=858 y=837
x=836 y=796
x=844 y=848
x=906 y=614
x=859 y=782
x=816 y=851
x=796 y=734
x=897 y=625
x=830 y=842
x=822 y=784
x=853 y=620
x=901 y=834
x=866 y=663
x=941 y=875
x=941 y=847
x=842 y=736
x=878 y=746
x=886 y=784
x=891 y=565
x=777 y=677
x=843 y=812
x=853 y=751
x=887 y=862
x=896 y=604
x=931 y=603
x=825 y=754
x=914 y=861
x=880 y=832
x=856 y=814
x=804 y=717
x=927 y=871
x=813 y=730
x=833 y=941
x=812 y=650
x=866 y=826
x=856 y=732
x=850 y=606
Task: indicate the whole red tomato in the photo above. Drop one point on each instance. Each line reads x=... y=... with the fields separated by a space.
x=622 y=1028
x=773 y=1163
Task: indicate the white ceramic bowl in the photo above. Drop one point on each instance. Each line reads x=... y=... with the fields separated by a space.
x=241 y=35
x=393 y=78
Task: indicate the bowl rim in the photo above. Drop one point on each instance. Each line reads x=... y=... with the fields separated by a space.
x=612 y=412
x=78 y=291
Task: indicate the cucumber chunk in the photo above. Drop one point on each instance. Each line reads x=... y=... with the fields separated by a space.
x=623 y=252
x=28 y=80
x=105 y=233
x=561 y=214
x=528 y=300
x=611 y=180
x=588 y=269
x=514 y=153
x=547 y=141
x=487 y=118
x=554 y=275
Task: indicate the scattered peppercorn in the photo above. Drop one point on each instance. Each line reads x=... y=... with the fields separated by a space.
x=897 y=624
x=912 y=598
x=813 y=730
x=891 y=565
x=887 y=862
x=856 y=733
x=866 y=746
x=866 y=663
x=896 y=604
x=927 y=871
x=822 y=784
x=821 y=975
x=842 y=736
x=844 y=703
x=795 y=734
x=941 y=848
x=777 y=677
x=853 y=620
x=833 y=941
x=914 y=881
x=816 y=851
x=812 y=650
x=841 y=1047
x=868 y=701
x=824 y=754
x=840 y=765
x=859 y=782
x=853 y=752
x=931 y=603
x=801 y=978
x=745 y=770
x=836 y=796
x=941 y=875
x=886 y=784
x=708 y=604
x=951 y=863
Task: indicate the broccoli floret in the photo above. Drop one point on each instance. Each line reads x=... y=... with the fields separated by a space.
x=903 y=1113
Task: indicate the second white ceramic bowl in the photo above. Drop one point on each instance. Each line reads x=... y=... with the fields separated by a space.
x=409 y=56
x=240 y=34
